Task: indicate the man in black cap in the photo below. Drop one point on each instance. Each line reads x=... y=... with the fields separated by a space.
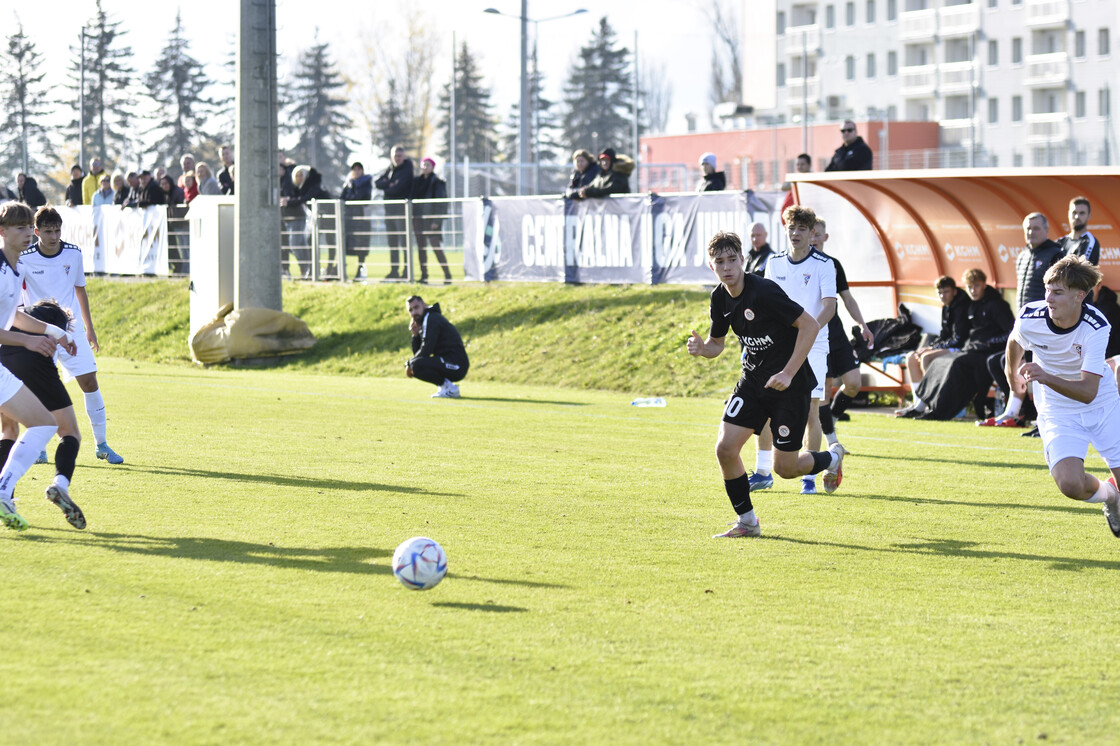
x=614 y=179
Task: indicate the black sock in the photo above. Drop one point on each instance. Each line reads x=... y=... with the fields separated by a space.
x=828 y=426
x=5 y=449
x=821 y=461
x=840 y=403
x=739 y=490
x=65 y=456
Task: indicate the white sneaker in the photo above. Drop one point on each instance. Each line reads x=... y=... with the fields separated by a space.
x=833 y=476
x=452 y=389
x=739 y=530
x=1111 y=508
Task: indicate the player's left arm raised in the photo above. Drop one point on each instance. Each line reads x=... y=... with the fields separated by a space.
x=87 y=319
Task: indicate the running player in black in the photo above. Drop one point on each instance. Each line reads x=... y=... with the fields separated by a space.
x=776 y=334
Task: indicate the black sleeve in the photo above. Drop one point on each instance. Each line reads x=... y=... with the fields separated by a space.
x=960 y=326
x=841 y=278
x=430 y=336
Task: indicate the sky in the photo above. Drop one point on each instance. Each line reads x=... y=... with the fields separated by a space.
x=673 y=33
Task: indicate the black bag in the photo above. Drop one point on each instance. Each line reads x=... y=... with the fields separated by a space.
x=891 y=336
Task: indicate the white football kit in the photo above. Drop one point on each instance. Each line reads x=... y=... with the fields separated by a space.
x=55 y=278
x=1068 y=426
x=808 y=282
x=10 y=283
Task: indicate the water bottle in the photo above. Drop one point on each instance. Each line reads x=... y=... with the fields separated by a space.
x=649 y=401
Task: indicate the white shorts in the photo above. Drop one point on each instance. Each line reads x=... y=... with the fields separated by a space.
x=1069 y=435
x=81 y=362
x=9 y=385
x=818 y=362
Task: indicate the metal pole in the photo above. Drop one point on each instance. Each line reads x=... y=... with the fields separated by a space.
x=523 y=115
x=82 y=103
x=972 y=102
x=454 y=85
x=637 y=153
x=805 y=91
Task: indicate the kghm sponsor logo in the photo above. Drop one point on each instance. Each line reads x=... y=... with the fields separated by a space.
x=912 y=250
x=953 y=253
x=1110 y=255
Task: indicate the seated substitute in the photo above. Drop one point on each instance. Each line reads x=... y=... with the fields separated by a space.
x=954 y=329
x=776 y=383
x=439 y=356
x=1073 y=389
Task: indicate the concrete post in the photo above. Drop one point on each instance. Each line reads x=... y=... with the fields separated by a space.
x=257 y=241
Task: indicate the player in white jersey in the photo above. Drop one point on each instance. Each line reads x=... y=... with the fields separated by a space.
x=52 y=270
x=808 y=277
x=1073 y=390
x=16 y=401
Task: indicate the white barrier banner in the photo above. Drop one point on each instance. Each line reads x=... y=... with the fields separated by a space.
x=116 y=241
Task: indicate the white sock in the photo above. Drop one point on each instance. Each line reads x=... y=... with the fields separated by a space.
x=95 y=408
x=748 y=519
x=920 y=406
x=23 y=455
x=62 y=481
x=1014 y=404
x=809 y=478
x=764 y=461
x=1101 y=494
x=835 y=460
x=831 y=438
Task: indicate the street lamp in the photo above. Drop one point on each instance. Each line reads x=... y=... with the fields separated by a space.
x=527 y=106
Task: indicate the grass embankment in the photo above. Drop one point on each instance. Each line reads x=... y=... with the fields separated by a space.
x=617 y=338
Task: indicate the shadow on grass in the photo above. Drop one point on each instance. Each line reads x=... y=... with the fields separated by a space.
x=282 y=481
x=1055 y=507
x=525 y=401
x=994 y=464
x=355 y=560
x=963 y=549
x=480 y=607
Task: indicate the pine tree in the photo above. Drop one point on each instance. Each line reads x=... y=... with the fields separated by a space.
x=544 y=133
x=178 y=85
x=392 y=129
x=317 y=114
x=24 y=138
x=598 y=94
x=108 y=90
x=475 y=135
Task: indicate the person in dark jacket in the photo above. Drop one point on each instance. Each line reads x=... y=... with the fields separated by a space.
x=396 y=184
x=1080 y=242
x=225 y=175
x=952 y=380
x=438 y=354
x=760 y=250
x=954 y=329
x=129 y=194
x=74 y=191
x=307 y=184
x=358 y=188
x=854 y=154
x=710 y=179
x=584 y=172
x=614 y=179
x=427 y=219
x=293 y=222
x=29 y=193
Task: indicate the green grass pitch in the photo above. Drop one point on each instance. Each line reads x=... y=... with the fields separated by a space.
x=233 y=586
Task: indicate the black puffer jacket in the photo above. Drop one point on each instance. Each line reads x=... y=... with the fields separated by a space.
x=989 y=322
x=716 y=181
x=396 y=181
x=30 y=195
x=1031 y=266
x=440 y=338
x=954 y=323
x=854 y=157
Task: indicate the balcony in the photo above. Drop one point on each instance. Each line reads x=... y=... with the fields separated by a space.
x=1050 y=128
x=1047 y=70
x=956 y=132
x=956 y=77
x=959 y=20
x=796 y=91
x=1047 y=13
x=799 y=38
x=918 y=81
x=917 y=25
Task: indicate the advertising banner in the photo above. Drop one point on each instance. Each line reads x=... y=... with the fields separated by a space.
x=118 y=241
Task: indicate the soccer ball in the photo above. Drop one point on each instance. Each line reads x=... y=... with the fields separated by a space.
x=419 y=563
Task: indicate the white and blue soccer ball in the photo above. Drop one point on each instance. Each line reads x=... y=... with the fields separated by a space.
x=419 y=563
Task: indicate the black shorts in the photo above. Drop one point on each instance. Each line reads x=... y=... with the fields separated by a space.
x=751 y=405
x=38 y=374
x=841 y=356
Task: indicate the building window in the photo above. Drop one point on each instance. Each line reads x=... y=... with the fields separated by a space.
x=1103 y=104
x=1079 y=104
x=1017 y=51
x=993 y=52
x=892 y=63
x=871 y=11
x=1102 y=42
x=1016 y=108
x=830 y=16
x=781 y=74
x=850 y=14
x=850 y=67
x=871 y=65
x=1017 y=160
x=892 y=10
x=1079 y=45
x=993 y=110
x=993 y=3
x=781 y=22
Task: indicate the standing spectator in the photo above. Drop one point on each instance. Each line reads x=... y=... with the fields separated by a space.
x=396 y=183
x=119 y=184
x=584 y=172
x=129 y=196
x=190 y=187
x=207 y=184
x=92 y=182
x=614 y=179
x=29 y=193
x=154 y=192
x=104 y=195
x=802 y=165
x=159 y=173
x=1080 y=242
x=358 y=188
x=307 y=184
x=427 y=219
x=177 y=251
x=74 y=191
x=225 y=176
x=760 y=250
x=710 y=179
x=172 y=194
x=854 y=154
x=287 y=191
x=186 y=164
x=7 y=195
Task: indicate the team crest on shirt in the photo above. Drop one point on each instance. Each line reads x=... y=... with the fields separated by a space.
x=748 y=314
x=67 y=268
x=783 y=431
x=1077 y=349
x=805 y=278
